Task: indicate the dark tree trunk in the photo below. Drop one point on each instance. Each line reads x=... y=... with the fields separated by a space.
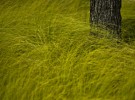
x=106 y=13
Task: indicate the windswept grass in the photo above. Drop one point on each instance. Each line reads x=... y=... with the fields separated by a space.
x=47 y=53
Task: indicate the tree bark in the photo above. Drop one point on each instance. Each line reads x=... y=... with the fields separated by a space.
x=106 y=13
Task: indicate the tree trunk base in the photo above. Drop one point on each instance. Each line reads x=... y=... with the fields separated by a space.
x=106 y=14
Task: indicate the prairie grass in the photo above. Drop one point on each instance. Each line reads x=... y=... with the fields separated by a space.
x=47 y=53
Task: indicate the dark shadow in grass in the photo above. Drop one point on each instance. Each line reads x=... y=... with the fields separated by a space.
x=128 y=30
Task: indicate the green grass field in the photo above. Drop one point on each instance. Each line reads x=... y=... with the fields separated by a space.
x=47 y=53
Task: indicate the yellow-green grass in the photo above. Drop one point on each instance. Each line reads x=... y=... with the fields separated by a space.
x=47 y=53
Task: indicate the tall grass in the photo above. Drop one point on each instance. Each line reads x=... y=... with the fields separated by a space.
x=128 y=24
x=47 y=53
